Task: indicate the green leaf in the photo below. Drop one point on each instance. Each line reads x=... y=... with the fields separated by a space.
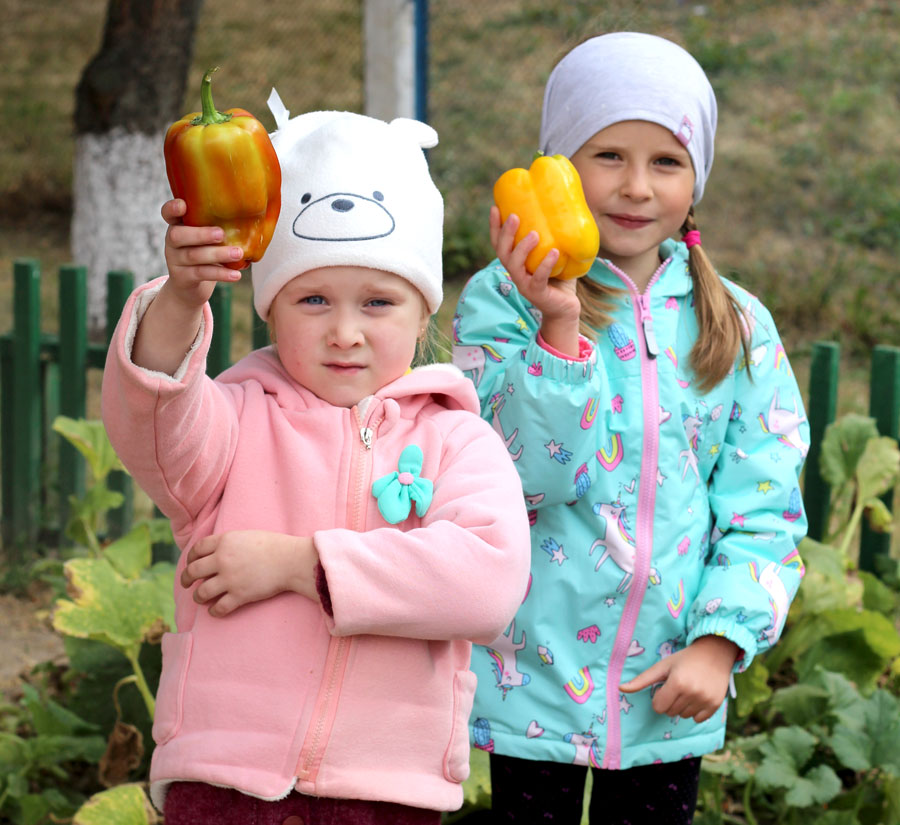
x=752 y=687
x=90 y=439
x=842 y=446
x=877 y=596
x=878 y=467
x=845 y=704
x=50 y=718
x=876 y=742
x=825 y=585
x=820 y=784
x=122 y=805
x=132 y=554
x=801 y=704
x=13 y=753
x=108 y=607
x=859 y=644
x=879 y=517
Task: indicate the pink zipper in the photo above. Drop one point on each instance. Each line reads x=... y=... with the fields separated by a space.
x=325 y=709
x=612 y=757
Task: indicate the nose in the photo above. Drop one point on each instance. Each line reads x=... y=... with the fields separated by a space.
x=346 y=331
x=636 y=183
x=342 y=205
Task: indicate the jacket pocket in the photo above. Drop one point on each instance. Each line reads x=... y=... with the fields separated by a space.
x=456 y=757
x=176 y=654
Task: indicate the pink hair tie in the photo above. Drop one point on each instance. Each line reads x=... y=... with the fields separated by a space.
x=691 y=238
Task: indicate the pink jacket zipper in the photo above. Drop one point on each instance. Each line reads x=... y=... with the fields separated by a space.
x=325 y=709
x=612 y=757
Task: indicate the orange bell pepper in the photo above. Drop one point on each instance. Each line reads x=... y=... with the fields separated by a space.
x=549 y=198
x=223 y=165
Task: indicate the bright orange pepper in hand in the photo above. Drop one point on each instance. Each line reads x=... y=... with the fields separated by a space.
x=549 y=199
x=223 y=165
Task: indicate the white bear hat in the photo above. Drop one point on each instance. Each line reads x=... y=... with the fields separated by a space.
x=355 y=191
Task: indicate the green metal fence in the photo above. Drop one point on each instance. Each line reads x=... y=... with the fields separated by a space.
x=43 y=375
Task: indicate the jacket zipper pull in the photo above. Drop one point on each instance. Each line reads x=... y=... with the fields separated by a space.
x=367 y=436
x=647 y=323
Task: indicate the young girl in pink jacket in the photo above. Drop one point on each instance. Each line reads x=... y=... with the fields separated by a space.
x=348 y=526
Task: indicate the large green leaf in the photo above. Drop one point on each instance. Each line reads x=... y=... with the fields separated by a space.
x=801 y=704
x=107 y=607
x=878 y=467
x=122 y=805
x=873 y=741
x=825 y=585
x=784 y=757
x=842 y=446
x=90 y=439
x=131 y=554
x=49 y=718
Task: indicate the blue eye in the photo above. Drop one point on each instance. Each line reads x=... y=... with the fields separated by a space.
x=315 y=300
x=379 y=302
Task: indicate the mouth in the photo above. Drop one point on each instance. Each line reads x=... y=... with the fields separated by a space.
x=344 y=369
x=629 y=221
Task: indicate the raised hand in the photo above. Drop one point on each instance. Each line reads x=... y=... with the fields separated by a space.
x=557 y=301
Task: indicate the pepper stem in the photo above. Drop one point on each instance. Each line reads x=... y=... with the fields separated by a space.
x=210 y=114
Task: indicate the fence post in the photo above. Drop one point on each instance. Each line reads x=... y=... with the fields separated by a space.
x=25 y=401
x=119 y=285
x=823 y=383
x=73 y=363
x=219 y=357
x=884 y=407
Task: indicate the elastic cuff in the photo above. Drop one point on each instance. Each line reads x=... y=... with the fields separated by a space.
x=584 y=349
x=742 y=637
x=544 y=362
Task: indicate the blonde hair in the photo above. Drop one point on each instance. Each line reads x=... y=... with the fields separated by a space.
x=722 y=329
x=720 y=318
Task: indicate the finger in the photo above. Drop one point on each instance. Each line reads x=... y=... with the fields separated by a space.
x=173 y=210
x=652 y=675
x=544 y=269
x=224 y=606
x=201 y=568
x=679 y=707
x=209 y=590
x=181 y=236
x=522 y=250
x=494 y=225
x=506 y=237
x=703 y=715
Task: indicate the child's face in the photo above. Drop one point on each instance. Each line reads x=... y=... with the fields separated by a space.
x=638 y=181
x=343 y=332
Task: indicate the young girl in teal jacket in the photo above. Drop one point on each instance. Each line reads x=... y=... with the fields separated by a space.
x=658 y=432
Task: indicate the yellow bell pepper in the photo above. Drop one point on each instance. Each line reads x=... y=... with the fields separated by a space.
x=549 y=199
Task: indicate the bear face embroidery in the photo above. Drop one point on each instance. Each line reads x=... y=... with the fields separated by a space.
x=343 y=216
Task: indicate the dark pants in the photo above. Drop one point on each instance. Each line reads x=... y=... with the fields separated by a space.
x=195 y=803
x=523 y=791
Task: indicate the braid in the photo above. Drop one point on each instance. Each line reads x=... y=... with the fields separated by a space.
x=720 y=319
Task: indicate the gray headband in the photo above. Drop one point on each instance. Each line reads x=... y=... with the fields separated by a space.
x=630 y=76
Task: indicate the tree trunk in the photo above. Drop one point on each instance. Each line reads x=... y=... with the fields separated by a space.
x=128 y=95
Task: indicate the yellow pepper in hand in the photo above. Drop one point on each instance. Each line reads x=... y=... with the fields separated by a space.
x=549 y=199
x=223 y=165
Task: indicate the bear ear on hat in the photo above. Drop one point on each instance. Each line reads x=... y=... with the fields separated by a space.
x=419 y=133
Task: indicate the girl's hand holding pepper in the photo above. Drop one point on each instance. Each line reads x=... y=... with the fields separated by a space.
x=556 y=299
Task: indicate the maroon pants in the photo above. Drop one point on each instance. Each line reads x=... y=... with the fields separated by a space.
x=195 y=803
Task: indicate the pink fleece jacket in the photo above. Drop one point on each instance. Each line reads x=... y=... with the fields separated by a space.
x=373 y=702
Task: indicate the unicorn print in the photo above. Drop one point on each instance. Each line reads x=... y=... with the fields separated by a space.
x=779 y=600
x=692 y=433
x=473 y=359
x=498 y=401
x=504 y=651
x=786 y=425
x=618 y=544
x=586 y=751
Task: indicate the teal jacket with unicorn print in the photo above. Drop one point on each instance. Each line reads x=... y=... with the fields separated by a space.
x=658 y=514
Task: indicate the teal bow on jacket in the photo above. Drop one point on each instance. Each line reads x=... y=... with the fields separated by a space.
x=396 y=491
